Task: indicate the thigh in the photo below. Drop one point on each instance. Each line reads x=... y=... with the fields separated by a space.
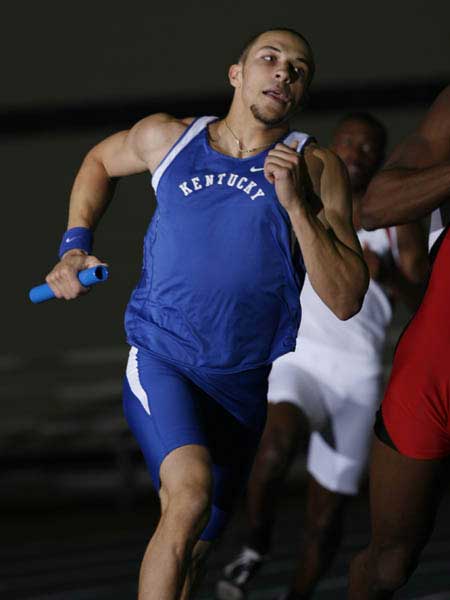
x=405 y=493
x=291 y=381
x=338 y=454
x=163 y=409
x=354 y=419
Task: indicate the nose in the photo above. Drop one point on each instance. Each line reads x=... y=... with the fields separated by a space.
x=355 y=153
x=283 y=74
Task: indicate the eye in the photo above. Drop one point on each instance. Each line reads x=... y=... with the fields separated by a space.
x=300 y=72
x=268 y=57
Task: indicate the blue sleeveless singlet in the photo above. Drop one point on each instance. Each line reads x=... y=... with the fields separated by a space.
x=220 y=284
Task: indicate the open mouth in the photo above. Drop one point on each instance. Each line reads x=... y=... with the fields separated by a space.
x=277 y=95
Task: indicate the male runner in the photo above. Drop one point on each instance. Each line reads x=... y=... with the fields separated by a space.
x=330 y=385
x=412 y=438
x=217 y=301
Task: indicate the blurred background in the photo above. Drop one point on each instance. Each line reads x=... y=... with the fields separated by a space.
x=73 y=485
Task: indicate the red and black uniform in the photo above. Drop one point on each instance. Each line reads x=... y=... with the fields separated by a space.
x=415 y=413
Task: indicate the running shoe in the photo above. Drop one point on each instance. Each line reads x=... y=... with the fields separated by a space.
x=237 y=574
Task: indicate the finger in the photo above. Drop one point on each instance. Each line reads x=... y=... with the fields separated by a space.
x=53 y=285
x=290 y=157
x=285 y=148
x=293 y=144
x=68 y=282
x=93 y=261
x=280 y=163
x=320 y=154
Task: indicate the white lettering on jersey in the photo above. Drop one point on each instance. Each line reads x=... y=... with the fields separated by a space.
x=258 y=194
x=185 y=189
x=240 y=183
x=232 y=179
x=195 y=184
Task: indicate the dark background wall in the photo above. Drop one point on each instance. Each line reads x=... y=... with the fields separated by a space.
x=74 y=72
x=65 y=53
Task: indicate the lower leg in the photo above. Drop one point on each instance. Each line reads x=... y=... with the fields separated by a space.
x=185 y=498
x=195 y=570
x=286 y=428
x=322 y=538
x=404 y=496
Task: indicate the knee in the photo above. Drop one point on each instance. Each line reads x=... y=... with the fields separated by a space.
x=324 y=525
x=188 y=505
x=274 y=455
x=391 y=566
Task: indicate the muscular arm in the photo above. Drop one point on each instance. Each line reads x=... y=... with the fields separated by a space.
x=124 y=153
x=330 y=247
x=416 y=178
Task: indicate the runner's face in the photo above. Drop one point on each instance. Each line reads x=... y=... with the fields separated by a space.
x=274 y=76
x=357 y=143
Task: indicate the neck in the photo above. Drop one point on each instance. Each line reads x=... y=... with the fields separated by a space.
x=241 y=135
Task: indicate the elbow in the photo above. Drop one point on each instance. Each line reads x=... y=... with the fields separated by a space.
x=349 y=303
x=348 y=310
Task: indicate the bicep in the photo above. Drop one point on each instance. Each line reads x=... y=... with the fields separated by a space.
x=140 y=148
x=118 y=155
x=430 y=143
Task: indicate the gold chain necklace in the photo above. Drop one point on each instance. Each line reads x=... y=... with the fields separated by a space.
x=238 y=142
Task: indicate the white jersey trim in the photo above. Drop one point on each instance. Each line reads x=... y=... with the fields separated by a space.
x=299 y=137
x=133 y=379
x=183 y=141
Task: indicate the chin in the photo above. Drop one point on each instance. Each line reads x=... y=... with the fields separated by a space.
x=266 y=117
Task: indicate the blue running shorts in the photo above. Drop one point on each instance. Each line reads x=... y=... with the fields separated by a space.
x=168 y=406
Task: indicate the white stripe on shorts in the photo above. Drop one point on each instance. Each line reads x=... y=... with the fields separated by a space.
x=133 y=379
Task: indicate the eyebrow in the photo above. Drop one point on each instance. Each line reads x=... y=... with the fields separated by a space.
x=298 y=58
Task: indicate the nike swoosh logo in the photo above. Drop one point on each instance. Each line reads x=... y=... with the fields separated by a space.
x=68 y=240
x=254 y=169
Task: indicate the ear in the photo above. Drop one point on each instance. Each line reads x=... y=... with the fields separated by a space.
x=234 y=75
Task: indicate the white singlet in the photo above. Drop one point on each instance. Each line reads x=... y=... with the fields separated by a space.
x=335 y=373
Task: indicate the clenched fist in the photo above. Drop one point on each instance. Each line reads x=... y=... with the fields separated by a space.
x=63 y=278
x=282 y=167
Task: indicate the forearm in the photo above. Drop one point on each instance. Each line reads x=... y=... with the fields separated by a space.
x=336 y=271
x=91 y=193
x=400 y=195
x=401 y=288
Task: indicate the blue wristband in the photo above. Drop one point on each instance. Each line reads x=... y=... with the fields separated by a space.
x=80 y=238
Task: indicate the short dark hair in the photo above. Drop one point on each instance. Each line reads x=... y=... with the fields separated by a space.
x=249 y=43
x=370 y=120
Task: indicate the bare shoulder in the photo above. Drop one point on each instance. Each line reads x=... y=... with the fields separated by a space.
x=317 y=157
x=154 y=135
x=312 y=161
x=430 y=142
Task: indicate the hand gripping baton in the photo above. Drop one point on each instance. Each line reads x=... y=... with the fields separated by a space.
x=88 y=277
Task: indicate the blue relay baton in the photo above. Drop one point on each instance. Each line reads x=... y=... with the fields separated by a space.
x=87 y=277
